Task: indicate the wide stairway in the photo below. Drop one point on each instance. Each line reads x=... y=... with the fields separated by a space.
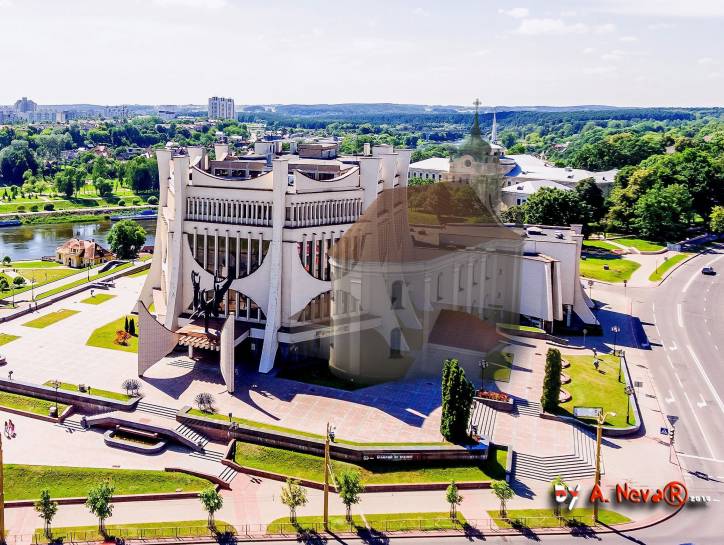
x=482 y=417
x=158 y=410
x=579 y=465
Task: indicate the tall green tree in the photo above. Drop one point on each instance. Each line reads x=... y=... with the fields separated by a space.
x=716 y=220
x=211 y=501
x=590 y=194
x=46 y=509
x=552 y=206
x=15 y=159
x=457 y=398
x=551 y=380
x=126 y=238
x=99 y=504
x=349 y=487
x=664 y=213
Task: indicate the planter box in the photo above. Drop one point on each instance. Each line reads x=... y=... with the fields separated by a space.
x=498 y=405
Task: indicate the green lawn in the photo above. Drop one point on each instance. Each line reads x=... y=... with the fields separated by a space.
x=83 y=280
x=29 y=404
x=518 y=327
x=664 y=266
x=384 y=522
x=25 y=482
x=282 y=429
x=641 y=244
x=6 y=338
x=94 y=391
x=591 y=244
x=37 y=277
x=545 y=518
x=619 y=269
x=98 y=298
x=145 y=530
x=51 y=318
x=33 y=264
x=592 y=388
x=105 y=336
x=310 y=467
x=139 y=274
x=500 y=366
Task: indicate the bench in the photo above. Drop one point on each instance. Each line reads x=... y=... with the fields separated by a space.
x=140 y=433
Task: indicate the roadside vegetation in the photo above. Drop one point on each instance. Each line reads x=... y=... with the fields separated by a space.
x=385 y=522
x=106 y=336
x=29 y=404
x=546 y=518
x=665 y=266
x=51 y=318
x=94 y=391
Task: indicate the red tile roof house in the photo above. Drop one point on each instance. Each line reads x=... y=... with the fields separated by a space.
x=81 y=253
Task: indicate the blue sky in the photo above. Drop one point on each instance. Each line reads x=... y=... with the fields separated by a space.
x=620 y=52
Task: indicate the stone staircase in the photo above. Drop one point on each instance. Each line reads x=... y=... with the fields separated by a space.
x=228 y=474
x=192 y=435
x=158 y=410
x=482 y=417
x=528 y=408
x=580 y=464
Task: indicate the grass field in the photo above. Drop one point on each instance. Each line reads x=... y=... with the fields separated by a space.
x=545 y=518
x=83 y=280
x=310 y=467
x=282 y=429
x=97 y=299
x=145 y=530
x=591 y=244
x=105 y=336
x=596 y=388
x=386 y=522
x=94 y=391
x=663 y=267
x=641 y=244
x=33 y=265
x=29 y=404
x=500 y=366
x=51 y=318
x=6 y=338
x=619 y=269
x=518 y=327
x=25 y=482
x=38 y=277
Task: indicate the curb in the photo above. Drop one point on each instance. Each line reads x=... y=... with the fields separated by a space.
x=671 y=271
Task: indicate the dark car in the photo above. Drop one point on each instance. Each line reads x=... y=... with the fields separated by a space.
x=708 y=270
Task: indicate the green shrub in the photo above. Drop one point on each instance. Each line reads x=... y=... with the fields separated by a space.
x=49 y=207
x=34 y=208
x=152 y=200
x=121 y=203
x=552 y=380
x=21 y=208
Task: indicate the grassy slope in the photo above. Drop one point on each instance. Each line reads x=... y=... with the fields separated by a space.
x=308 y=466
x=27 y=481
x=84 y=280
x=659 y=273
x=94 y=391
x=591 y=388
x=641 y=244
x=598 y=244
x=29 y=404
x=619 y=269
x=105 y=336
x=50 y=319
x=40 y=277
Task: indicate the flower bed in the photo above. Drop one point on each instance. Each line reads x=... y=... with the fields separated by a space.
x=497 y=400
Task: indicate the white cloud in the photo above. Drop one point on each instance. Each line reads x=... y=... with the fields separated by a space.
x=707 y=61
x=715 y=75
x=6 y=3
x=605 y=28
x=600 y=70
x=661 y=26
x=518 y=13
x=482 y=52
x=589 y=50
x=207 y=4
x=533 y=27
x=568 y=13
x=421 y=12
x=629 y=39
x=613 y=56
x=663 y=8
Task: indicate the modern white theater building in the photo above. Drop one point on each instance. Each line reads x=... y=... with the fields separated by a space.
x=264 y=225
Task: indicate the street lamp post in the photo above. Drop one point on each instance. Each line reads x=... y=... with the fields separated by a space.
x=590 y=290
x=600 y=419
x=483 y=366
x=584 y=337
x=628 y=390
x=615 y=330
x=329 y=436
x=56 y=385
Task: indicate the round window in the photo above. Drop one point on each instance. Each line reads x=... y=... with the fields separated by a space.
x=468 y=162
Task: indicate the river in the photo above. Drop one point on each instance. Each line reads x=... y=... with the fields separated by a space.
x=24 y=242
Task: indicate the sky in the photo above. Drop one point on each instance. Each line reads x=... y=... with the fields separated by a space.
x=535 y=52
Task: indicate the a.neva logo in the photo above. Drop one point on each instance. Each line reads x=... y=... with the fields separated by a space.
x=563 y=492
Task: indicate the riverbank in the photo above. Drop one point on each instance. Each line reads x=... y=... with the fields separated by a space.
x=75 y=215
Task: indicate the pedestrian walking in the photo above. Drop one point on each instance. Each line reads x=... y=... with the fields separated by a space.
x=11 y=426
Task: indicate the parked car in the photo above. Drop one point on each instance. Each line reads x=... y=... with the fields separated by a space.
x=708 y=270
x=3 y=361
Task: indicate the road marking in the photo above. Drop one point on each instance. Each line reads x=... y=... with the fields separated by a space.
x=678 y=379
x=671 y=363
x=713 y=391
x=679 y=317
x=701 y=403
x=695 y=457
x=671 y=398
x=698 y=423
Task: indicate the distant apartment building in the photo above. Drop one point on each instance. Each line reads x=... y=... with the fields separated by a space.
x=221 y=108
x=115 y=112
x=25 y=105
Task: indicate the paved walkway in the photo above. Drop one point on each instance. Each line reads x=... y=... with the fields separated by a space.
x=649 y=263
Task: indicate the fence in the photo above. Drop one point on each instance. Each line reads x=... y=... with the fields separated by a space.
x=372 y=524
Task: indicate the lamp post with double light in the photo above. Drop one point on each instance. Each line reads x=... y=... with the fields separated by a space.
x=629 y=391
x=483 y=366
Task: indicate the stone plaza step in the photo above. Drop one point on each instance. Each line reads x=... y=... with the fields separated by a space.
x=483 y=419
x=529 y=408
x=159 y=410
x=228 y=474
x=192 y=435
x=541 y=468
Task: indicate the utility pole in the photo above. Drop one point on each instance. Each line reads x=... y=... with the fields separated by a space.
x=326 y=479
x=599 y=420
x=2 y=495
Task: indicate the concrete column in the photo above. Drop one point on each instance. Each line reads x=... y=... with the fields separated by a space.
x=238 y=264
x=175 y=270
x=206 y=248
x=248 y=253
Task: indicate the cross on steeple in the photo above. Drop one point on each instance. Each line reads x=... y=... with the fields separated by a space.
x=476 y=103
